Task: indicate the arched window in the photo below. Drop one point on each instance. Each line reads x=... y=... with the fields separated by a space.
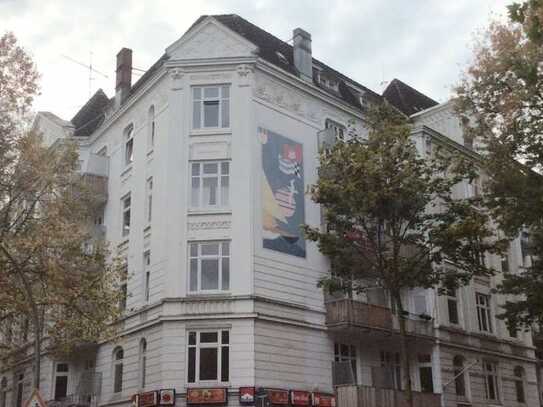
x=152 y=128
x=519 y=384
x=118 y=356
x=3 y=391
x=459 y=374
x=143 y=362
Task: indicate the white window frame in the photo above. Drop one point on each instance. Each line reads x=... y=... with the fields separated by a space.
x=491 y=374
x=208 y=345
x=484 y=312
x=149 y=200
x=128 y=145
x=223 y=199
x=151 y=119
x=117 y=363
x=351 y=357
x=125 y=226
x=199 y=257
x=456 y=300
x=61 y=374
x=142 y=363
x=146 y=276
x=199 y=102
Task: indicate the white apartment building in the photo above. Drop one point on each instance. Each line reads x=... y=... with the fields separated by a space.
x=204 y=162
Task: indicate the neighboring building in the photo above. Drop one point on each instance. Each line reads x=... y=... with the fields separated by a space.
x=206 y=159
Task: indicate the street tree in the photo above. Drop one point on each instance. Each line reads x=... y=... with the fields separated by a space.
x=391 y=220
x=500 y=103
x=58 y=288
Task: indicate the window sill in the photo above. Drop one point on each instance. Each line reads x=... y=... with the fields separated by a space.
x=147 y=228
x=207 y=384
x=214 y=131
x=204 y=295
x=123 y=243
x=218 y=211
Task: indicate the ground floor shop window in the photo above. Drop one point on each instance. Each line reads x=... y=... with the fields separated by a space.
x=208 y=356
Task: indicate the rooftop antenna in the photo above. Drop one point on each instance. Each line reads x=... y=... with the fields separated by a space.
x=89 y=67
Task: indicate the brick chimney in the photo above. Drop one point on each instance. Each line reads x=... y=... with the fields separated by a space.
x=123 y=78
x=303 y=61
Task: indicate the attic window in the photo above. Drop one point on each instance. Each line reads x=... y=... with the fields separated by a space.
x=328 y=82
x=281 y=57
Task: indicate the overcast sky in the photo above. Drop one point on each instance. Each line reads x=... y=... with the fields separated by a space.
x=425 y=43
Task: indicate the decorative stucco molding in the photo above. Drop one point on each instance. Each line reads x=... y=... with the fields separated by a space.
x=207 y=225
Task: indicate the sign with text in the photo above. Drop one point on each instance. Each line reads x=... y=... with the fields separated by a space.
x=148 y=399
x=324 y=400
x=207 y=396
x=278 y=397
x=300 y=398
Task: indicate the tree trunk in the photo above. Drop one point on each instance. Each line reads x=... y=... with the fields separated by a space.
x=37 y=352
x=404 y=351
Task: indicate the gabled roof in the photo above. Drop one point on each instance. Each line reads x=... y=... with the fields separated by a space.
x=91 y=115
x=55 y=119
x=406 y=99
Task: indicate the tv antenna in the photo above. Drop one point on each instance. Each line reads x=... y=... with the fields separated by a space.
x=91 y=69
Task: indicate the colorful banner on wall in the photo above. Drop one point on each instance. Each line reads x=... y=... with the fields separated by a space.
x=283 y=207
x=207 y=396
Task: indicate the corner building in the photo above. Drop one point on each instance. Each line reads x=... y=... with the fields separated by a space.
x=203 y=164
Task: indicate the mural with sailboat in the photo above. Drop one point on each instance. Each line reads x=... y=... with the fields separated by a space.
x=283 y=207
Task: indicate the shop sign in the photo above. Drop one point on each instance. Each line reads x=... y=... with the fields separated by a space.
x=246 y=395
x=324 y=400
x=278 y=397
x=166 y=397
x=207 y=396
x=148 y=399
x=300 y=398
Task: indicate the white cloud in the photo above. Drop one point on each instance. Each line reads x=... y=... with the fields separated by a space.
x=424 y=43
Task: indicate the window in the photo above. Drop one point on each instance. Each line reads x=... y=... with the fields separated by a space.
x=490 y=373
x=210 y=184
x=346 y=353
x=118 y=355
x=3 y=392
x=505 y=263
x=459 y=374
x=512 y=330
x=129 y=145
x=338 y=130
x=61 y=381
x=452 y=306
x=425 y=373
x=209 y=266
x=124 y=296
x=152 y=128
x=419 y=301
x=484 y=314
x=428 y=146
x=143 y=362
x=125 y=205
x=208 y=356
x=211 y=107
x=525 y=247
x=519 y=384
x=20 y=390
x=147 y=271
x=390 y=363
x=149 y=199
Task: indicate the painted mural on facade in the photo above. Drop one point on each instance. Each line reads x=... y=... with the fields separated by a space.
x=283 y=207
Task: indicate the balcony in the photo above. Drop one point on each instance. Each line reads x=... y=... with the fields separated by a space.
x=95 y=172
x=366 y=396
x=345 y=315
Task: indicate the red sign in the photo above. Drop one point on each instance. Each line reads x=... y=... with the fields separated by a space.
x=300 y=398
x=207 y=396
x=149 y=399
x=324 y=400
x=166 y=397
x=246 y=395
x=278 y=397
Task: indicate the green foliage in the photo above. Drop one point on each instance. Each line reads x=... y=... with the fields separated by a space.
x=390 y=214
x=500 y=102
